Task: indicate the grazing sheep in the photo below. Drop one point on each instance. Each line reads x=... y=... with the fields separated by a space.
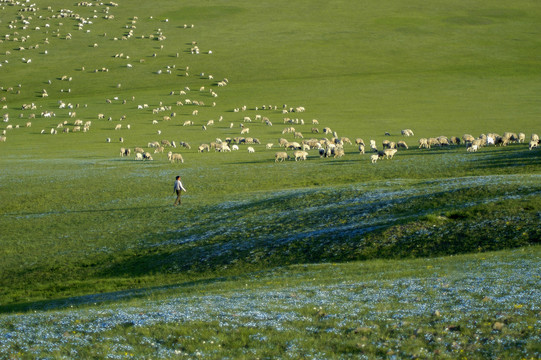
x=251 y=149
x=533 y=144
x=467 y=138
x=511 y=137
x=3 y=139
x=346 y=140
x=385 y=144
x=338 y=153
x=234 y=147
x=535 y=138
x=374 y=158
x=147 y=156
x=118 y=126
x=423 y=143
x=187 y=123
x=389 y=153
x=402 y=144
x=294 y=146
x=159 y=149
x=373 y=145
x=245 y=131
x=174 y=157
x=280 y=156
x=138 y=156
x=359 y=141
x=478 y=142
x=455 y=140
x=269 y=146
x=203 y=147
x=407 y=132
x=472 y=147
x=521 y=137
x=361 y=149
x=300 y=155
x=433 y=142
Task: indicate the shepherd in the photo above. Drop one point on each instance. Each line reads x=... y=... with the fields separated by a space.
x=179 y=188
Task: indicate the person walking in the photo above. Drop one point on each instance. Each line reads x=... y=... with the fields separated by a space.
x=178 y=189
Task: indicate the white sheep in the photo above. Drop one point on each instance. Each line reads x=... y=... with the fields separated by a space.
x=472 y=148
x=373 y=145
x=338 y=153
x=300 y=154
x=533 y=144
x=407 y=132
x=280 y=156
x=251 y=149
x=374 y=158
x=389 y=153
x=234 y=147
x=402 y=144
x=174 y=157
x=203 y=147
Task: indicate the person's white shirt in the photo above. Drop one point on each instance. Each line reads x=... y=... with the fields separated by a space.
x=178 y=185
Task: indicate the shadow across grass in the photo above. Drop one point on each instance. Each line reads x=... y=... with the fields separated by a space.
x=107 y=297
x=88 y=211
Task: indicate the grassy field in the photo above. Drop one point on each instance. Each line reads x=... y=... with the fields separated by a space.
x=324 y=258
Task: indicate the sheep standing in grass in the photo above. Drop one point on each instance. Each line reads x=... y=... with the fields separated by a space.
x=467 y=138
x=423 y=143
x=174 y=157
x=373 y=145
x=203 y=147
x=402 y=144
x=361 y=149
x=389 y=153
x=338 y=153
x=280 y=156
x=472 y=147
x=374 y=158
x=300 y=154
x=407 y=132
x=251 y=150
x=533 y=144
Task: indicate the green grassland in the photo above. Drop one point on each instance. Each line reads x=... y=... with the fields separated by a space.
x=77 y=220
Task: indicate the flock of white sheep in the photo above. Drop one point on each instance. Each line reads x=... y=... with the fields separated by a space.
x=190 y=103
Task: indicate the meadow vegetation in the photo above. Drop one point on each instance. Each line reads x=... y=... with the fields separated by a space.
x=431 y=254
